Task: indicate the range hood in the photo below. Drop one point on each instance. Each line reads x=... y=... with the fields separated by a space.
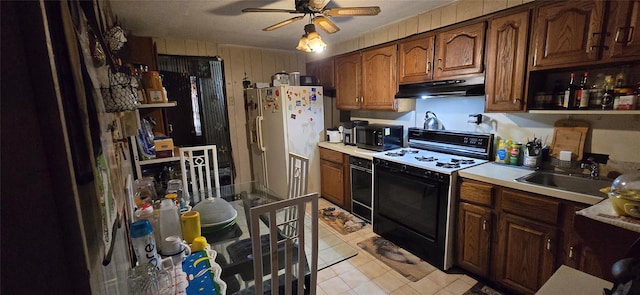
x=473 y=86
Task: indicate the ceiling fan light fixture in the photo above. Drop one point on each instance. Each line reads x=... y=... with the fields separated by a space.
x=311 y=40
x=302 y=44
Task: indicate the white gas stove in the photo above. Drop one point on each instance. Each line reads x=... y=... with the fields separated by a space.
x=434 y=161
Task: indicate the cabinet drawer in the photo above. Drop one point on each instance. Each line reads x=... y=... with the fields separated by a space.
x=331 y=155
x=477 y=192
x=531 y=206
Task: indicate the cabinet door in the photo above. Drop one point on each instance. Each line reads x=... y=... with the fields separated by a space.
x=624 y=29
x=474 y=238
x=526 y=253
x=348 y=80
x=460 y=51
x=415 y=59
x=506 y=56
x=323 y=71
x=379 y=84
x=576 y=253
x=332 y=185
x=567 y=32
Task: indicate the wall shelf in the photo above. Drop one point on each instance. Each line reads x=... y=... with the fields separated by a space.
x=586 y=112
x=158 y=105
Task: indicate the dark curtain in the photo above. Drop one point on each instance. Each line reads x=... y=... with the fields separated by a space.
x=178 y=72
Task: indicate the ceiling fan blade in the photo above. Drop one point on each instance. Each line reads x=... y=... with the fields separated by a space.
x=352 y=11
x=325 y=24
x=268 y=10
x=283 y=23
x=318 y=5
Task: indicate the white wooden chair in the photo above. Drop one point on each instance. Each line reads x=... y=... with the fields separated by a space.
x=296 y=274
x=298 y=183
x=197 y=164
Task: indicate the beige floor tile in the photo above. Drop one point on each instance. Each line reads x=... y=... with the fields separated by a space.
x=369 y=288
x=471 y=281
x=441 y=278
x=343 y=267
x=354 y=278
x=360 y=259
x=405 y=290
x=349 y=292
x=373 y=269
x=320 y=291
x=334 y=285
x=444 y=292
x=325 y=274
x=458 y=287
x=389 y=281
x=425 y=286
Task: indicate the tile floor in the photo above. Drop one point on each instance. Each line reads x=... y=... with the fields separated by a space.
x=365 y=275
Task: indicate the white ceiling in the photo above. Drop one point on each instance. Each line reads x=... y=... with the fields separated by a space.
x=222 y=22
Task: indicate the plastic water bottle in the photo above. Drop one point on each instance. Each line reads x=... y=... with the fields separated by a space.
x=169 y=220
x=144 y=244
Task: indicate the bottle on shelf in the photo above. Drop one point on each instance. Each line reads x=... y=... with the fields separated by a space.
x=558 y=96
x=597 y=90
x=607 y=93
x=582 y=95
x=569 y=101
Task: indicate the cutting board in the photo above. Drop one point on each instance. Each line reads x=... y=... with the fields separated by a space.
x=569 y=135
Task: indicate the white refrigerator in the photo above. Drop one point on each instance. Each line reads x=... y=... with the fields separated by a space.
x=281 y=120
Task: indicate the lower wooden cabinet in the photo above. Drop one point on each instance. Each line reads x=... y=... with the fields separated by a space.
x=334 y=174
x=474 y=238
x=526 y=254
x=517 y=239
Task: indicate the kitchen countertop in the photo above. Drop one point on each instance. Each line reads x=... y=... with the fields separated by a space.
x=567 y=281
x=505 y=175
x=351 y=150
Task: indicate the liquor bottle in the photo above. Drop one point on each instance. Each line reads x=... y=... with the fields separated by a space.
x=597 y=90
x=582 y=95
x=569 y=101
x=558 y=96
x=607 y=93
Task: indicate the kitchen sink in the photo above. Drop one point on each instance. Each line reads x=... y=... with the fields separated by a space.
x=576 y=183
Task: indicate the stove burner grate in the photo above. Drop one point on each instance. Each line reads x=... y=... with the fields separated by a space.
x=409 y=151
x=463 y=161
x=447 y=165
x=426 y=159
x=395 y=154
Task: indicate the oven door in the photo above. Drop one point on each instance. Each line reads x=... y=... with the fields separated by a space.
x=361 y=190
x=411 y=211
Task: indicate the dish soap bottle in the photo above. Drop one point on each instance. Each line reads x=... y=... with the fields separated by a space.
x=502 y=152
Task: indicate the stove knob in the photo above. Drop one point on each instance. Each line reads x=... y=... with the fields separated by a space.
x=376 y=161
x=403 y=168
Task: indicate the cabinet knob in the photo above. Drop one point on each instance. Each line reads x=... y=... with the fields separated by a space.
x=571 y=252
x=484 y=224
x=516 y=100
x=549 y=244
x=428 y=67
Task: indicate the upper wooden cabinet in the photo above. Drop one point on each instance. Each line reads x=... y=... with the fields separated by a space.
x=459 y=51
x=575 y=33
x=623 y=31
x=348 y=74
x=415 y=59
x=379 y=84
x=506 y=62
x=367 y=80
x=323 y=71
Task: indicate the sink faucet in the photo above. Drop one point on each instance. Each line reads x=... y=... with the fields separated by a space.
x=593 y=166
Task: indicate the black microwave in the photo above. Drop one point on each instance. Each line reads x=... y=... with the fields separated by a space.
x=379 y=137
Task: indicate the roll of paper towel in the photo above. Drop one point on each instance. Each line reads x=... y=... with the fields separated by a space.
x=565 y=156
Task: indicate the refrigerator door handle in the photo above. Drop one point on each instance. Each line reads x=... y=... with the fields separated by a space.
x=259 y=135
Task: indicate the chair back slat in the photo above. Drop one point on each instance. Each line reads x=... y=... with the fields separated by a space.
x=197 y=164
x=299 y=264
x=298 y=172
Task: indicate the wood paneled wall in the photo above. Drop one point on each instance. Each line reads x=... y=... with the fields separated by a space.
x=258 y=64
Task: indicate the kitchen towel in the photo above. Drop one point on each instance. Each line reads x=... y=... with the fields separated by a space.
x=405 y=263
x=340 y=220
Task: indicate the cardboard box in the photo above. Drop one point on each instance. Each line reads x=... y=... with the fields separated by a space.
x=164 y=147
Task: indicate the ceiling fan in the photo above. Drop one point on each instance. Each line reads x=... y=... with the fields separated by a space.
x=318 y=13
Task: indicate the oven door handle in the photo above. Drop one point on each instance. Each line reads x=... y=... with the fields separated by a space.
x=361 y=168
